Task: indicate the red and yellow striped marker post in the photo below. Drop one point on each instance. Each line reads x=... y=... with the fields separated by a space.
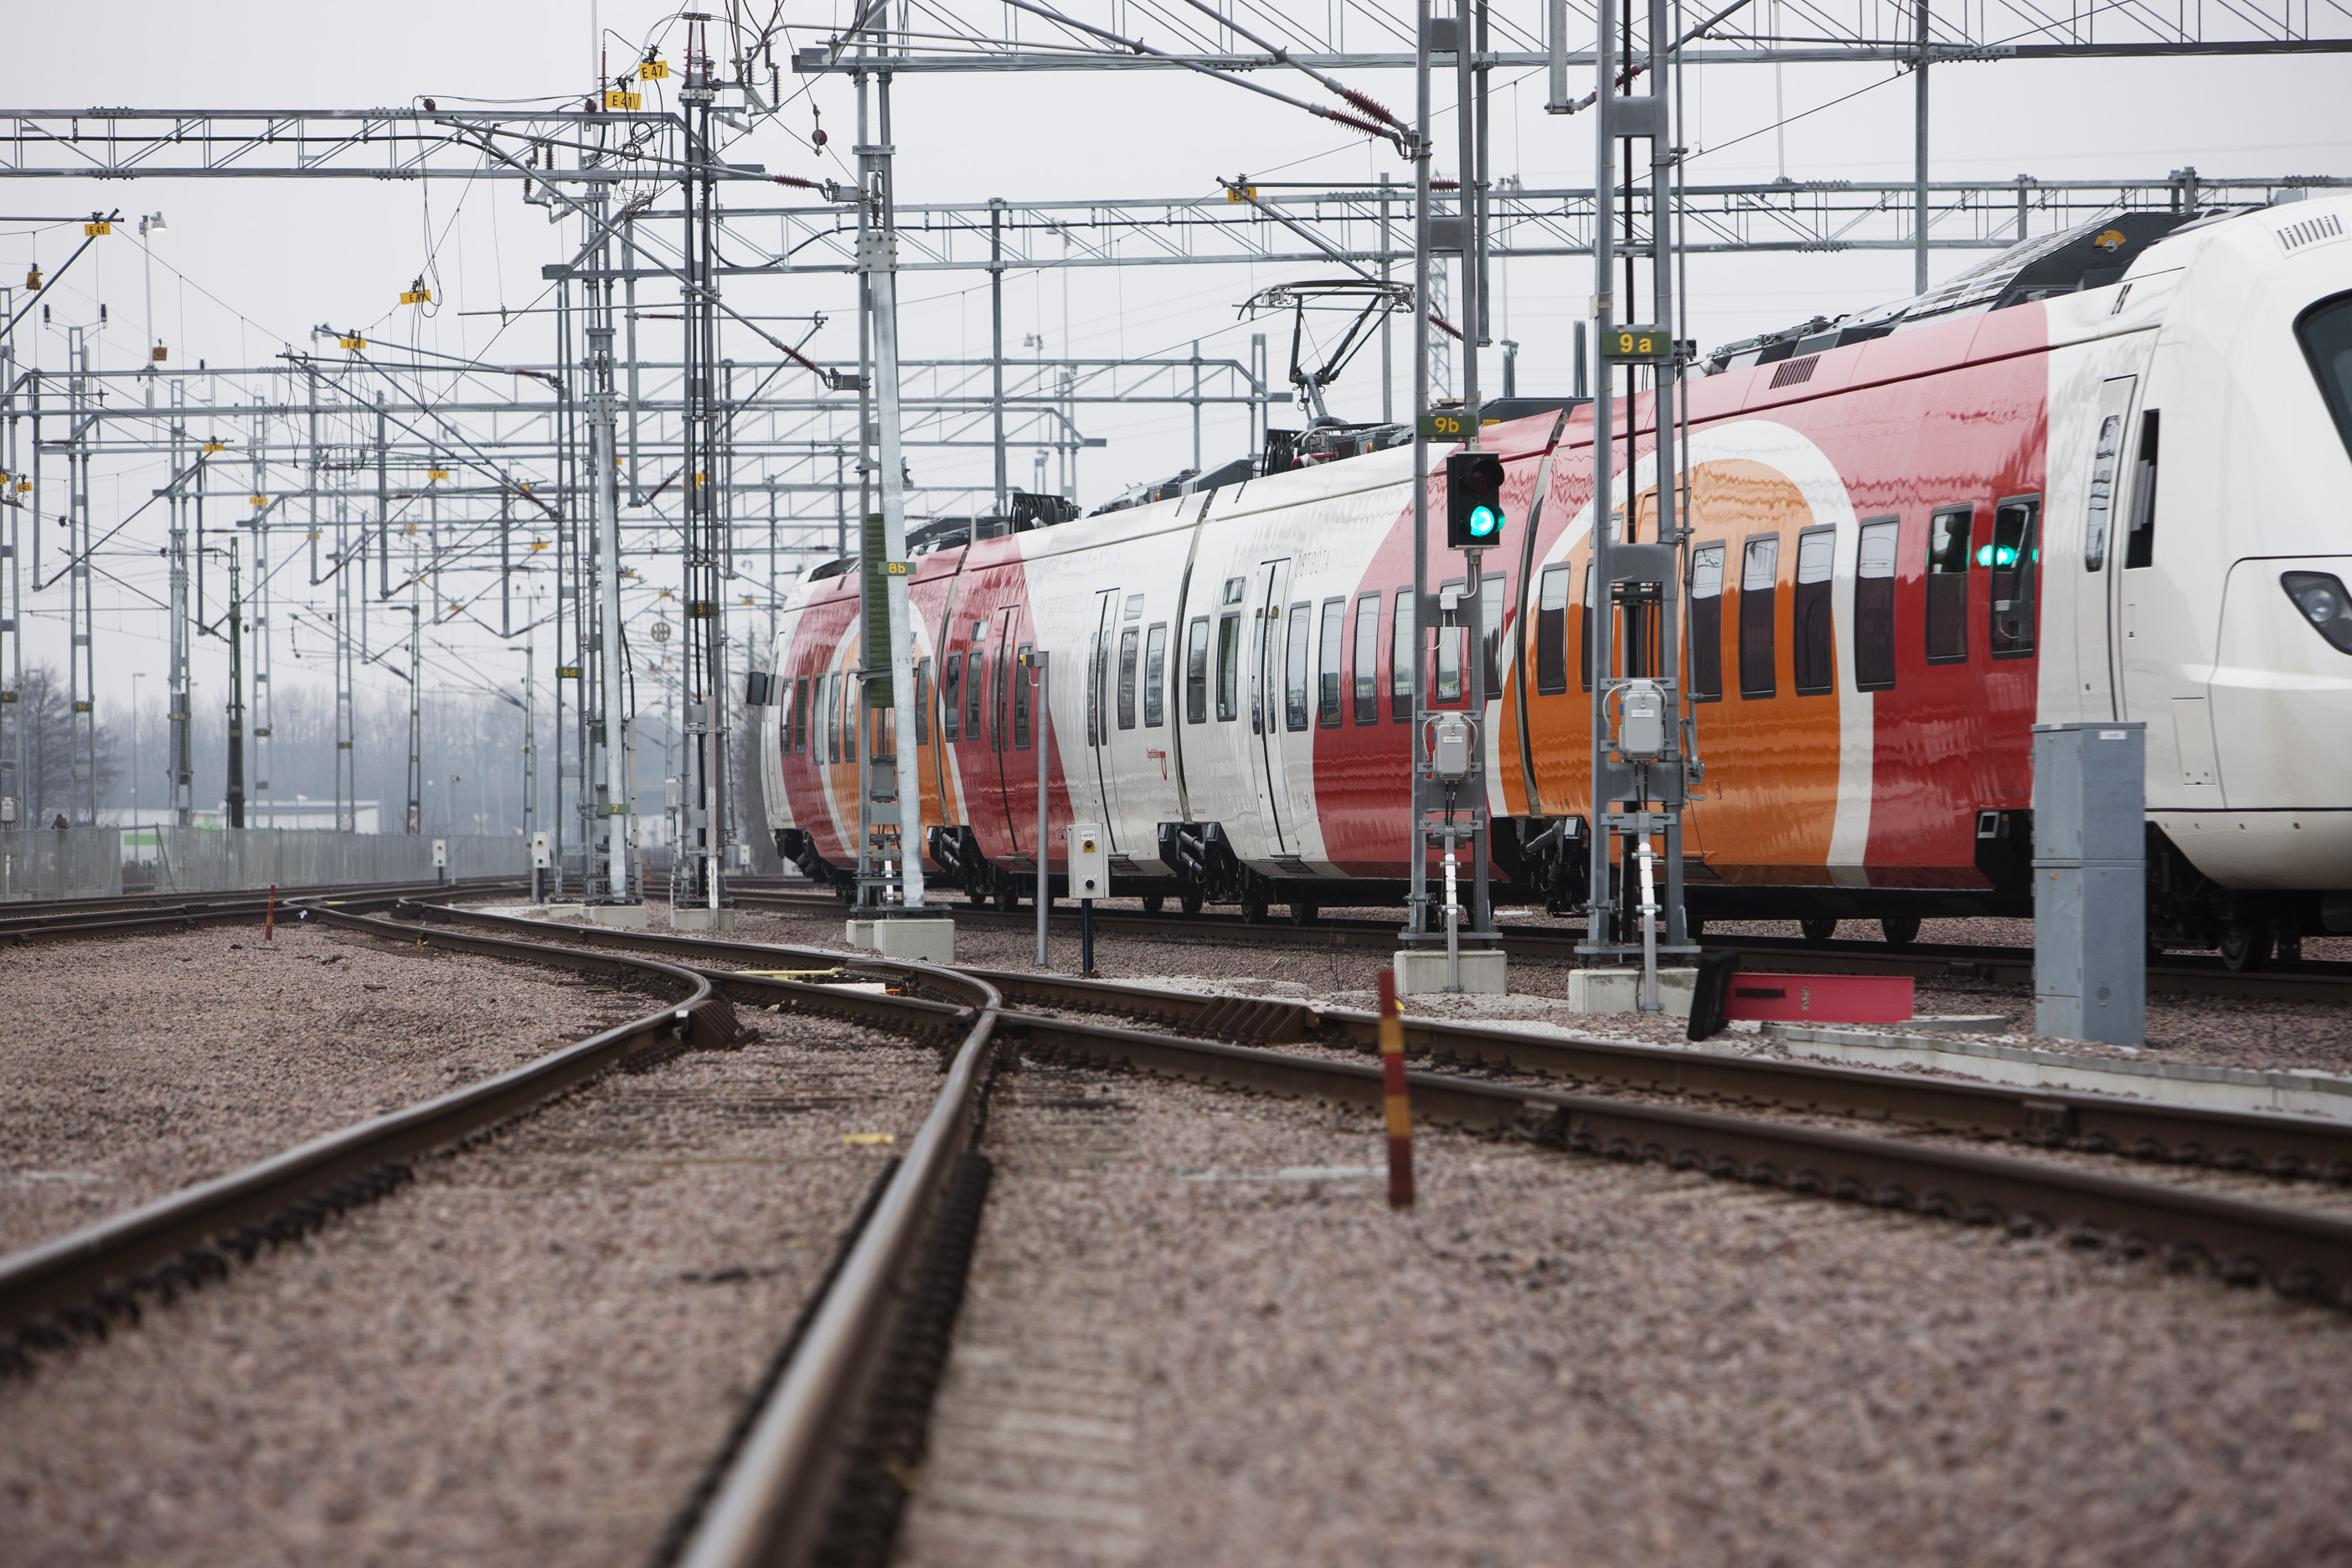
x=1393 y=1091
x=269 y=920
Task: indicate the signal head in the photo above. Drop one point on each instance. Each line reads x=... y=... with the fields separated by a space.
x=1474 y=501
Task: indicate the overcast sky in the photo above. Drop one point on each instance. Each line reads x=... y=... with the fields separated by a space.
x=247 y=268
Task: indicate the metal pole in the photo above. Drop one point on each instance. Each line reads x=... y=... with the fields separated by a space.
x=1417 y=911
x=236 y=695
x=881 y=262
x=603 y=497
x=1919 y=158
x=1044 y=739
x=1665 y=159
x=1598 y=930
x=996 y=342
x=1388 y=353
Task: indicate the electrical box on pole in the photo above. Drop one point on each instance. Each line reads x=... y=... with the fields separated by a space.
x=1474 y=501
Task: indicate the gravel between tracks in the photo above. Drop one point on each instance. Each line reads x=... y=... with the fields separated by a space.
x=531 y=1354
x=137 y=1066
x=1196 y=1335
x=2212 y=1030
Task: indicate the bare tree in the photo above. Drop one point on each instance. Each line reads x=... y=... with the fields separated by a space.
x=45 y=713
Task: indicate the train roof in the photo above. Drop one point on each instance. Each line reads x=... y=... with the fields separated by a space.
x=2088 y=255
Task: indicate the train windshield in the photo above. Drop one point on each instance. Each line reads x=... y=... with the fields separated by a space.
x=2327 y=332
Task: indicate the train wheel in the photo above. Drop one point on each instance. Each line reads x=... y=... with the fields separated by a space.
x=1818 y=930
x=1153 y=903
x=1254 y=912
x=1190 y=903
x=1900 y=931
x=1009 y=900
x=2246 y=944
x=1304 y=914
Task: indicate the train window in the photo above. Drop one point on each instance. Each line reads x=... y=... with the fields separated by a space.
x=1759 y=576
x=1401 y=643
x=1704 y=676
x=1229 y=666
x=1128 y=641
x=1335 y=633
x=1368 y=659
x=1584 y=632
x=2140 y=550
x=950 y=696
x=923 y=703
x=1235 y=588
x=995 y=700
x=1551 y=631
x=1134 y=607
x=2099 y=513
x=1490 y=633
x=2327 y=332
x=800 y=716
x=1019 y=667
x=1095 y=726
x=1816 y=635
x=1449 y=658
x=1196 y=674
x=832 y=718
x=975 y=688
x=1155 y=675
x=2015 y=557
x=1296 y=652
x=1948 y=586
x=1874 y=606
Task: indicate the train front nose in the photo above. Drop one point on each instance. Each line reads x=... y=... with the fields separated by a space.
x=2282 y=708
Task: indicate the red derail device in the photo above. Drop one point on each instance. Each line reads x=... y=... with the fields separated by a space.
x=1820 y=998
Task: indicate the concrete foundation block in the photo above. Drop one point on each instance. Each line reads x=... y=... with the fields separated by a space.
x=1620 y=990
x=701 y=919
x=860 y=932
x=921 y=941
x=566 y=912
x=1423 y=970
x=632 y=916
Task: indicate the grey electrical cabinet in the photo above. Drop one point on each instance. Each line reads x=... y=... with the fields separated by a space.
x=2090 y=882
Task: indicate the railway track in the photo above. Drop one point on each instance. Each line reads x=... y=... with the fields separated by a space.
x=779 y=1488
x=2181 y=975
x=151 y=913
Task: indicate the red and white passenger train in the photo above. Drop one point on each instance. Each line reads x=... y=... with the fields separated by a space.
x=2107 y=475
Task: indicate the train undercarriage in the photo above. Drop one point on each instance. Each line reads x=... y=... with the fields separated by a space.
x=1542 y=861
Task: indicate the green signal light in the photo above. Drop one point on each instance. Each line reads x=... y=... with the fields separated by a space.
x=1996 y=555
x=1483 y=521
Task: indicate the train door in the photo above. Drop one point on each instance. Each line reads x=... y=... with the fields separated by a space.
x=1268 y=622
x=1102 y=668
x=2102 y=552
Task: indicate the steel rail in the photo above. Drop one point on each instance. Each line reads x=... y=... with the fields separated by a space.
x=108 y=916
x=775 y=1497
x=2274 y=1143
x=2313 y=981
x=2298 y=1252
x=101 y=1262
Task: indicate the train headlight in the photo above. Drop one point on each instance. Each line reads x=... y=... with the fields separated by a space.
x=2321 y=597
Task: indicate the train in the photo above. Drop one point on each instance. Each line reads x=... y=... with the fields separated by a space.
x=2106 y=475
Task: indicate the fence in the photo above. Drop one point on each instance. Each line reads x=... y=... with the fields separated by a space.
x=86 y=862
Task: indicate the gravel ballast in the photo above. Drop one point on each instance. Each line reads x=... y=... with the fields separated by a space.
x=135 y=1067
x=1196 y=1335
x=530 y=1354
